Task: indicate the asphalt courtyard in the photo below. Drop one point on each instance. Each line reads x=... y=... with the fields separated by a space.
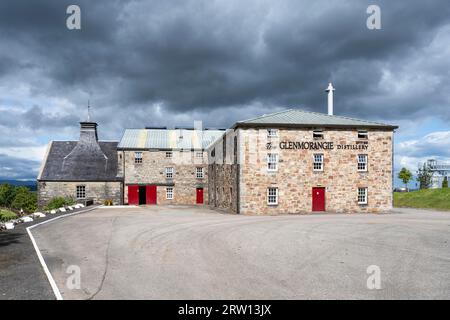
x=167 y=252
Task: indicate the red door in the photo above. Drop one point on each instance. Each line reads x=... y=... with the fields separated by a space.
x=199 y=195
x=318 y=199
x=133 y=195
x=151 y=194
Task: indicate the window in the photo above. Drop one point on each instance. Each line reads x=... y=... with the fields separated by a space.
x=362 y=162
x=213 y=152
x=138 y=157
x=362 y=195
x=362 y=134
x=169 y=193
x=318 y=162
x=81 y=192
x=169 y=154
x=272 y=162
x=199 y=172
x=272 y=196
x=199 y=155
x=272 y=133
x=169 y=173
x=318 y=134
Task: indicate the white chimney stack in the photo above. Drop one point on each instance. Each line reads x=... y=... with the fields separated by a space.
x=330 y=90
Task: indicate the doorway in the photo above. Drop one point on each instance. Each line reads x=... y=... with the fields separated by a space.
x=318 y=199
x=199 y=196
x=151 y=194
x=142 y=196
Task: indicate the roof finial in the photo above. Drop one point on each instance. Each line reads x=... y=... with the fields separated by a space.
x=88 y=112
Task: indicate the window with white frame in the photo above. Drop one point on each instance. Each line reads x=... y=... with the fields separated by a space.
x=272 y=162
x=169 y=154
x=318 y=134
x=199 y=172
x=362 y=195
x=272 y=196
x=169 y=172
x=138 y=157
x=362 y=162
x=169 y=193
x=81 y=192
x=272 y=133
x=363 y=134
x=199 y=154
x=318 y=162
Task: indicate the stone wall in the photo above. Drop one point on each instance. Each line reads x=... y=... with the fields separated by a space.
x=224 y=170
x=223 y=186
x=152 y=172
x=295 y=177
x=98 y=191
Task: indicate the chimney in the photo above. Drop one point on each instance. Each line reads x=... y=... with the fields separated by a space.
x=330 y=90
x=88 y=132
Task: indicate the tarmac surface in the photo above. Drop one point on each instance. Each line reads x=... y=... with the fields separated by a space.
x=169 y=252
x=21 y=274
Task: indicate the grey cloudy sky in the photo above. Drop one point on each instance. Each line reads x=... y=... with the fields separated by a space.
x=172 y=62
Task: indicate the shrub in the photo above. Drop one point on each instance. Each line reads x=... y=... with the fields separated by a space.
x=6 y=215
x=25 y=199
x=59 y=202
x=7 y=195
x=445 y=182
x=108 y=202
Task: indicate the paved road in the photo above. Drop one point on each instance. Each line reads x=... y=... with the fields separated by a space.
x=195 y=253
x=21 y=274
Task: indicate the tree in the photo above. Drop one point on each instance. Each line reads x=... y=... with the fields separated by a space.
x=25 y=199
x=424 y=175
x=405 y=175
x=445 y=182
x=7 y=195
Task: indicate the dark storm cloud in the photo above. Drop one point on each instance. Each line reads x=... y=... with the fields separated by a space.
x=202 y=54
x=15 y=168
x=35 y=118
x=171 y=62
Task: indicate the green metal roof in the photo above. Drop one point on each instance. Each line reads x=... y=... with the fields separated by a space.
x=168 y=138
x=300 y=118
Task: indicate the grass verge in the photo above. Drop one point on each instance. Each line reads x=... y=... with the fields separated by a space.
x=427 y=198
x=6 y=215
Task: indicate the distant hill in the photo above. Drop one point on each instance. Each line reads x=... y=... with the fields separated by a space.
x=27 y=183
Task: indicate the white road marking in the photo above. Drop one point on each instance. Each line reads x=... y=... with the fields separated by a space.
x=41 y=258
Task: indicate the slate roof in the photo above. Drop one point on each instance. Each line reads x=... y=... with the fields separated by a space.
x=300 y=118
x=75 y=161
x=168 y=139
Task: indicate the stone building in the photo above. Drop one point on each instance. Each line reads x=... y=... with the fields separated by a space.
x=286 y=162
x=297 y=162
x=165 y=166
x=82 y=170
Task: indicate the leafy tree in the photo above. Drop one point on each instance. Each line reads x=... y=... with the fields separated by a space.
x=25 y=199
x=445 y=182
x=7 y=195
x=424 y=175
x=405 y=175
